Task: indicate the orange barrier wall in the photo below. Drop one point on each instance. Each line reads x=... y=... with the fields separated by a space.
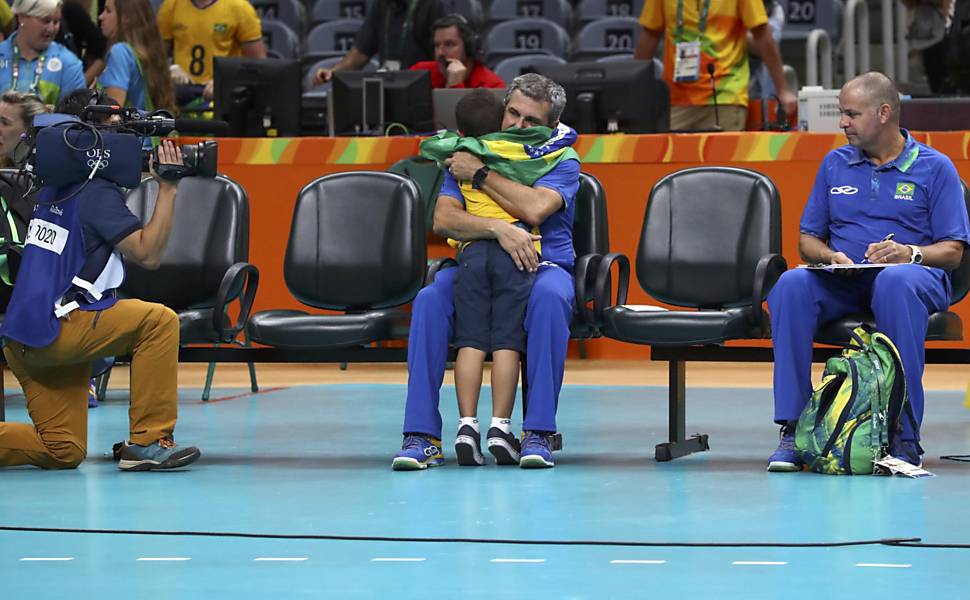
x=274 y=170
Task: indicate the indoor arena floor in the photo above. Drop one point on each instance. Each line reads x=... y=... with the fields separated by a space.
x=294 y=497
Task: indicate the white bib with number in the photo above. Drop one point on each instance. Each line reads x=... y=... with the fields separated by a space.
x=687 y=62
x=46 y=235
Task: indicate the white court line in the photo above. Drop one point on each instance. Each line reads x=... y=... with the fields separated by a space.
x=760 y=562
x=164 y=558
x=391 y=559
x=519 y=560
x=637 y=562
x=281 y=558
x=47 y=558
x=884 y=565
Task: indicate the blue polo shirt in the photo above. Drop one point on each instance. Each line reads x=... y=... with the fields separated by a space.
x=123 y=71
x=917 y=197
x=557 y=229
x=62 y=72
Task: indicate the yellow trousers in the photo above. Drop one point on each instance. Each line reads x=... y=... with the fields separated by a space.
x=55 y=382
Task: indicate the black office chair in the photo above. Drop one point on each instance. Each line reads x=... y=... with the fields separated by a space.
x=357 y=244
x=591 y=241
x=711 y=242
x=944 y=326
x=204 y=269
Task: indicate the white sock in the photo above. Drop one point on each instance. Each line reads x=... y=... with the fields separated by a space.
x=504 y=424
x=468 y=421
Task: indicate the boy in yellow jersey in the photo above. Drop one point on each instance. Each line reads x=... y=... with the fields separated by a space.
x=705 y=49
x=196 y=31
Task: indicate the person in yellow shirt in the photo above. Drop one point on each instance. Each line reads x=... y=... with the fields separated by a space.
x=7 y=24
x=196 y=31
x=705 y=48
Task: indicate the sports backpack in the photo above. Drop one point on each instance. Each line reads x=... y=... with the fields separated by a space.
x=854 y=413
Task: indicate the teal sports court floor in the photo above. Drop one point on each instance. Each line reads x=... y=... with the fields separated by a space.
x=303 y=475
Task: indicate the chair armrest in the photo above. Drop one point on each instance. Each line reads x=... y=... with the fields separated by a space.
x=240 y=276
x=436 y=265
x=584 y=273
x=603 y=285
x=766 y=274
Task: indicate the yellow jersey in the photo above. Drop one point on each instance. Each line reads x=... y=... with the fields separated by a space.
x=199 y=34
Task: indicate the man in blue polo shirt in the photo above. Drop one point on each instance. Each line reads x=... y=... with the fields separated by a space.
x=32 y=62
x=549 y=204
x=884 y=198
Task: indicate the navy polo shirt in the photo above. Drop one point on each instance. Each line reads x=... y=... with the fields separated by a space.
x=917 y=197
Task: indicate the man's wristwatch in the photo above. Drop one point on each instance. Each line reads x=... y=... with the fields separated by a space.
x=478 y=179
x=917 y=257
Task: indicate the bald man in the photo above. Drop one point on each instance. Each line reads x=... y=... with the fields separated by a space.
x=886 y=199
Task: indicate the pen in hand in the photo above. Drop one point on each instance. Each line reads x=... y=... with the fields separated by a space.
x=888 y=237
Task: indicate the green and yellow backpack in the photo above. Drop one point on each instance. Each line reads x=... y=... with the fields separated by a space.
x=855 y=411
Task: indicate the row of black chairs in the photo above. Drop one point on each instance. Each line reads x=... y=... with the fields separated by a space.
x=357 y=245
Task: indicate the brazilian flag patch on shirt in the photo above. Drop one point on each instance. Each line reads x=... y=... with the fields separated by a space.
x=904 y=190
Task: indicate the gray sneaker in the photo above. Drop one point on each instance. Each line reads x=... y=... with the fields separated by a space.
x=163 y=454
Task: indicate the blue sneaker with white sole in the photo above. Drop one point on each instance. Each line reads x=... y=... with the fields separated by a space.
x=418 y=452
x=536 y=451
x=785 y=459
x=163 y=454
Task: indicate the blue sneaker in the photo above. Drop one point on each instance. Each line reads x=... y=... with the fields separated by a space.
x=163 y=454
x=785 y=459
x=907 y=450
x=92 y=393
x=419 y=451
x=536 y=451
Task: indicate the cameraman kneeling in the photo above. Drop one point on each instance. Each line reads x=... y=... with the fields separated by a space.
x=52 y=335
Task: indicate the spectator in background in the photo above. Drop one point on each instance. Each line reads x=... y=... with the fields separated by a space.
x=196 y=31
x=80 y=35
x=456 y=53
x=704 y=35
x=929 y=22
x=397 y=32
x=761 y=85
x=31 y=61
x=137 y=73
x=7 y=23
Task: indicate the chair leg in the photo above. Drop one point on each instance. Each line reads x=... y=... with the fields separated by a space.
x=253 y=385
x=101 y=386
x=209 y=374
x=581 y=344
x=679 y=444
x=343 y=366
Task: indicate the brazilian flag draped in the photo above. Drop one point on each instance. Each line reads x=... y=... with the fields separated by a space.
x=522 y=155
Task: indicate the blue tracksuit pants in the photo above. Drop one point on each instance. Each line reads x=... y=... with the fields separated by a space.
x=901 y=298
x=547 y=317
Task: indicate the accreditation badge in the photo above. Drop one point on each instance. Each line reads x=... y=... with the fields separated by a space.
x=687 y=62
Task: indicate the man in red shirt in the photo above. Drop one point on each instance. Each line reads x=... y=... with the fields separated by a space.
x=456 y=64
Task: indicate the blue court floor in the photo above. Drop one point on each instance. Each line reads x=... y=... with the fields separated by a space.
x=303 y=473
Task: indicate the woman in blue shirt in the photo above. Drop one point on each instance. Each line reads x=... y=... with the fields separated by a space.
x=136 y=73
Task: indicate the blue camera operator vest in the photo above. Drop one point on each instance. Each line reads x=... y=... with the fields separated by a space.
x=49 y=286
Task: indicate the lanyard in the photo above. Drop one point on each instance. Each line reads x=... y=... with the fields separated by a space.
x=38 y=71
x=405 y=31
x=702 y=22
